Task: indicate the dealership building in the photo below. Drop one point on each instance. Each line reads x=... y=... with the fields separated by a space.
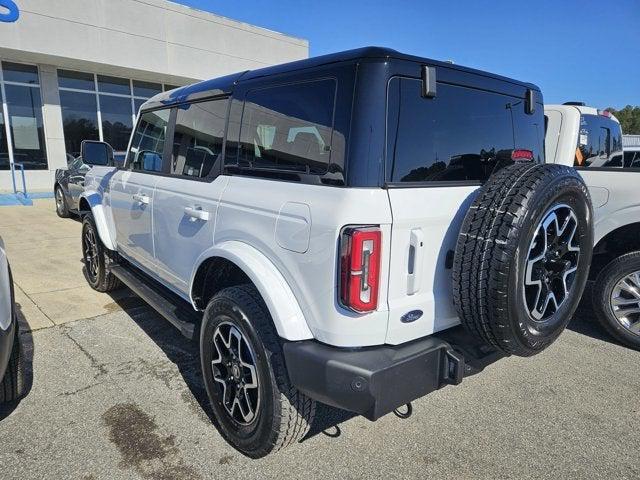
x=80 y=69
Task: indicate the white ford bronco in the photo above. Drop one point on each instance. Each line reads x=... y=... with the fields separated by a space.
x=323 y=227
x=591 y=140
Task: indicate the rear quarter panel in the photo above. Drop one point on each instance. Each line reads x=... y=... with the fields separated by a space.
x=297 y=227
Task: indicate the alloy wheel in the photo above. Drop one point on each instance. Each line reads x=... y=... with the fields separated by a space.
x=234 y=369
x=625 y=302
x=59 y=200
x=552 y=262
x=90 y=252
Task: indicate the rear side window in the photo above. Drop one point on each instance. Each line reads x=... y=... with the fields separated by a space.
x=197 y=141
x=462 y=134
x=147 y=146
x=288 y=127
x=599 y=143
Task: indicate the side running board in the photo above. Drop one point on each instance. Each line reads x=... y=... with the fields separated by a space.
x=165 y=302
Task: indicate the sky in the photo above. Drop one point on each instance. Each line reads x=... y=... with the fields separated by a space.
x=581 y=50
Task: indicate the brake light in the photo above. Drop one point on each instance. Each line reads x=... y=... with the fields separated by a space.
x=360 y=268
x=605 y=113
x=521 y=155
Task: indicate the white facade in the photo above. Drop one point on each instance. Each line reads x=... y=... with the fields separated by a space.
x=136 y=41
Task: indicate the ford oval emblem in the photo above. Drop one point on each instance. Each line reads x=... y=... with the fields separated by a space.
x=411 y=316
x=9 y=11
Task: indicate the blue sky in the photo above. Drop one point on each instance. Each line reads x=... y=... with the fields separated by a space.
x=573 y=49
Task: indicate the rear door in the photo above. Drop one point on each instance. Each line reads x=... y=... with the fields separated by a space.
x=439 y=151
x=132 y=189
x=186 y=201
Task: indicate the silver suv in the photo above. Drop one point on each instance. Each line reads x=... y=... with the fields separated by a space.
x=324 y=227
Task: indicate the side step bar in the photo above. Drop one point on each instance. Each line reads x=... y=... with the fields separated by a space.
x=166 y=303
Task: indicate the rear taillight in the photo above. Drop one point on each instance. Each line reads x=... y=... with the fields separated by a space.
x=360 y=249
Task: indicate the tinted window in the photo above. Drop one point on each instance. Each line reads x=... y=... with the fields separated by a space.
x=4 y=150
x=632 y=159
x=77 y=80
x=27 y=132
x=117 y=121
x=599 y=143
x=146 y=89
x=288 y=127
x=17 y=72
x=462 y=134
x=147 y=146
x=197 y=142
x=79 y=119
x=114 y=85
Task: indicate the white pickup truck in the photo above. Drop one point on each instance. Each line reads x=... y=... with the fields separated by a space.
x=591 y=141
x=324 y=226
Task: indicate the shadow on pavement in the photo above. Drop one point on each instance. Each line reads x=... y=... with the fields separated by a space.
x=585 y=322
x=185 y=354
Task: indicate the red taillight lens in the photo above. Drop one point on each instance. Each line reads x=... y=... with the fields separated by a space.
x=522 y=155
x=360 y=268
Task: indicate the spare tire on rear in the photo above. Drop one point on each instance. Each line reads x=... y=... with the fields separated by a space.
x=522 y=256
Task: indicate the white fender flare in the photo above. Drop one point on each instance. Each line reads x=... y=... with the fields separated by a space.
x=274 y=289
x=94 y=199
x=616 y=220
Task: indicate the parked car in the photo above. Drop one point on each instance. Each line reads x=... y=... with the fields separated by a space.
x=591 y=140
x=11 y=367
x=69 y=183
x=327 y=222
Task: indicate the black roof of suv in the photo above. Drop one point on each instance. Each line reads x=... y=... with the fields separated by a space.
x=220 y=85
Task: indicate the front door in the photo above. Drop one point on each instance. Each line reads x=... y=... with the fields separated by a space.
x=132 y=189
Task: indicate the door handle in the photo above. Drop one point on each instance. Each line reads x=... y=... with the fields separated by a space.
x=141 y=198
x=197 y=213
x=414 y=267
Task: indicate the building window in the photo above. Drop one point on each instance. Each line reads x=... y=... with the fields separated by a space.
x=22 y=105
x=4 y=149
x=100 y=107
x=79 y=120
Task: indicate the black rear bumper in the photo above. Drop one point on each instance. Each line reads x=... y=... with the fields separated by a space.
x=373 y=381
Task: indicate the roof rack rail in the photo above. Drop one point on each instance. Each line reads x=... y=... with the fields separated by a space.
x=577 y=104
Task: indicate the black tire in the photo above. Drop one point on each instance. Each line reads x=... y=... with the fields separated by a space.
x=13 y=384
x=62 y=208
x=283 y=414
x=96 y=269
x=493 y=252
x=603 y=288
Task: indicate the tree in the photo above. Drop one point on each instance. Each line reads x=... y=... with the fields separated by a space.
x=629 y=118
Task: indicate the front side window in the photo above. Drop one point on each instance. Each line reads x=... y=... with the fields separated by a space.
x=147 y=146
x=197 y=142
x=599 y=143
x=288 y=127
x=462 y=134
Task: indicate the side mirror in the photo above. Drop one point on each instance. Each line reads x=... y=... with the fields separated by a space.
x=96 y=153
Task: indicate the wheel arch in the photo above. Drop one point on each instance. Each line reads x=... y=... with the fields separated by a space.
x=232 y=263
x=618 y=241
x=91 y=201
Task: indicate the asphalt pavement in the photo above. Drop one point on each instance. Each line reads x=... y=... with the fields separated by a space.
x=116 y=393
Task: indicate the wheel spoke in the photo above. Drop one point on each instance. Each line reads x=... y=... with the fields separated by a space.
x=620 y=301
x=233 y=366
x=552 y=262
